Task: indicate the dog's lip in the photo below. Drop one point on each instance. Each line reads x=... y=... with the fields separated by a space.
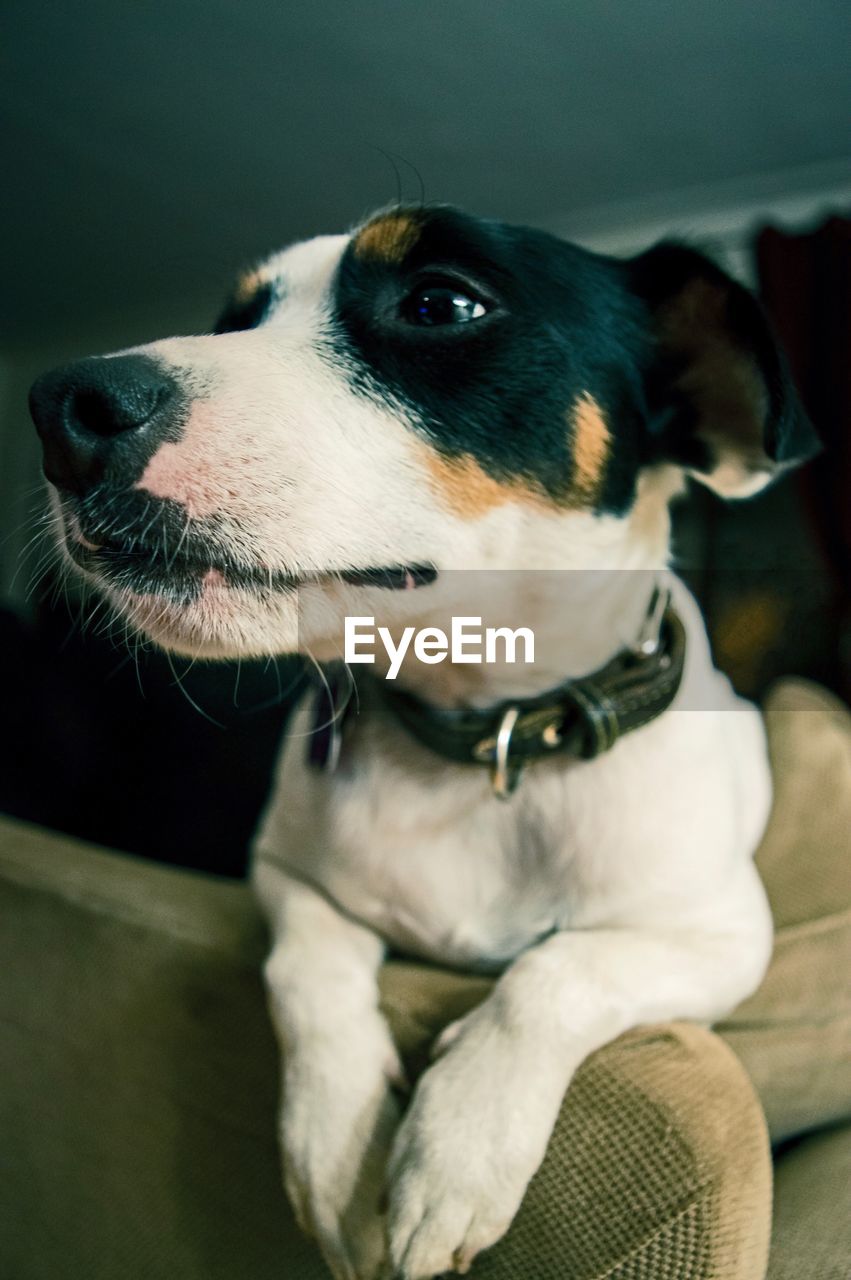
x=392 y=577
x=215 y=569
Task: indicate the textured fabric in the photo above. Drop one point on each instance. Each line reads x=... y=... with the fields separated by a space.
x=679 y=1188
x=812 y=1209
x=139 y=1076
x=137 y=1113
x=794 y=1034
x=805 y=855
x=659 y=1165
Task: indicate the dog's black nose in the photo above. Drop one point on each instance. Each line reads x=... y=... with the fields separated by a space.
x=95 y=413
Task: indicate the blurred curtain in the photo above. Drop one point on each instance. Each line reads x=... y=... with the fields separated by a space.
x=805 y=282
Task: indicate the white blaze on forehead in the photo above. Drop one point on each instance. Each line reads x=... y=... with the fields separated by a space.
x=305 y=270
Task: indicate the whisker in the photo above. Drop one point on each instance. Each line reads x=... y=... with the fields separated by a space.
x=338 y=712
x=187 y=695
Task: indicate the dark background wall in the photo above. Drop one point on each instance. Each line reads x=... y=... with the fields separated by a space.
x=151 y=146
x=148 y=150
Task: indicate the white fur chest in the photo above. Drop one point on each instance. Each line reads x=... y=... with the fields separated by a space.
x=422 y=852
x=425 y=855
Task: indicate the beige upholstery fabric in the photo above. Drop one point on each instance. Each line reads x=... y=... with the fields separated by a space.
x=794 y=1034
x=658 y=1168
x=139 y=1085
x=139 y=1077
x=812 y=1209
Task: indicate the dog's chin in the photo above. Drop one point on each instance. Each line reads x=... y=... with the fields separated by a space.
x=213 y=617
x=218 y=622
x=203 y=600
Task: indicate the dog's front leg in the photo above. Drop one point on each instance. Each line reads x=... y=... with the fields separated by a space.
x=339 y=1066
x=482 y=1115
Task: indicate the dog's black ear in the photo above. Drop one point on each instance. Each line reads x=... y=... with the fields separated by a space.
x=720 y=397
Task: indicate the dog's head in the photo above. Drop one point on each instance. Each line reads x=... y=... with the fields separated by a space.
x=434 y=391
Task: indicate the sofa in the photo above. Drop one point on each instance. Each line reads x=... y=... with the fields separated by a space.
x=139 y=1080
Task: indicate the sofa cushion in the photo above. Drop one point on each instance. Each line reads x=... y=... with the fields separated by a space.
x=812 y=1225
x=794 y=1034
x=140 y=1080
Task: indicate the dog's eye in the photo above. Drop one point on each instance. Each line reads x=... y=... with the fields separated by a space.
x=433 y=304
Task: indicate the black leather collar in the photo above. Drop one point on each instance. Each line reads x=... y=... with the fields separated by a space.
x=580 y=718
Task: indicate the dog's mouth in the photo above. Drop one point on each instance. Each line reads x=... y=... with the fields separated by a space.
x=146 y=569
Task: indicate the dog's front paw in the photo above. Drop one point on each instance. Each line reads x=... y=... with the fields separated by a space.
x=338 y=1119
x=476 y=1131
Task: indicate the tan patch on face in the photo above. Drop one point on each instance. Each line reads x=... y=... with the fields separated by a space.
x=248 y=284
x=592 y=442
x=470 y=492
x=388 y=238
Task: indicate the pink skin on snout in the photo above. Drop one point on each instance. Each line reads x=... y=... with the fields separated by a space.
x=180 y=472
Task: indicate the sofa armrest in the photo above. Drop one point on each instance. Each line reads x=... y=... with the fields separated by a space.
x=140 y=1083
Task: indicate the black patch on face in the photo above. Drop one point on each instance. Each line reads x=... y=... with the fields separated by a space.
x=246 y=313
x=560 y=325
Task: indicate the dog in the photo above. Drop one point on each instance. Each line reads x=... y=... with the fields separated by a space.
x=431 y=415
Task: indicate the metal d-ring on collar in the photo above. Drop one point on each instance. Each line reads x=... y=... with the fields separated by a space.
x=650 y=633
x=504 y=777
